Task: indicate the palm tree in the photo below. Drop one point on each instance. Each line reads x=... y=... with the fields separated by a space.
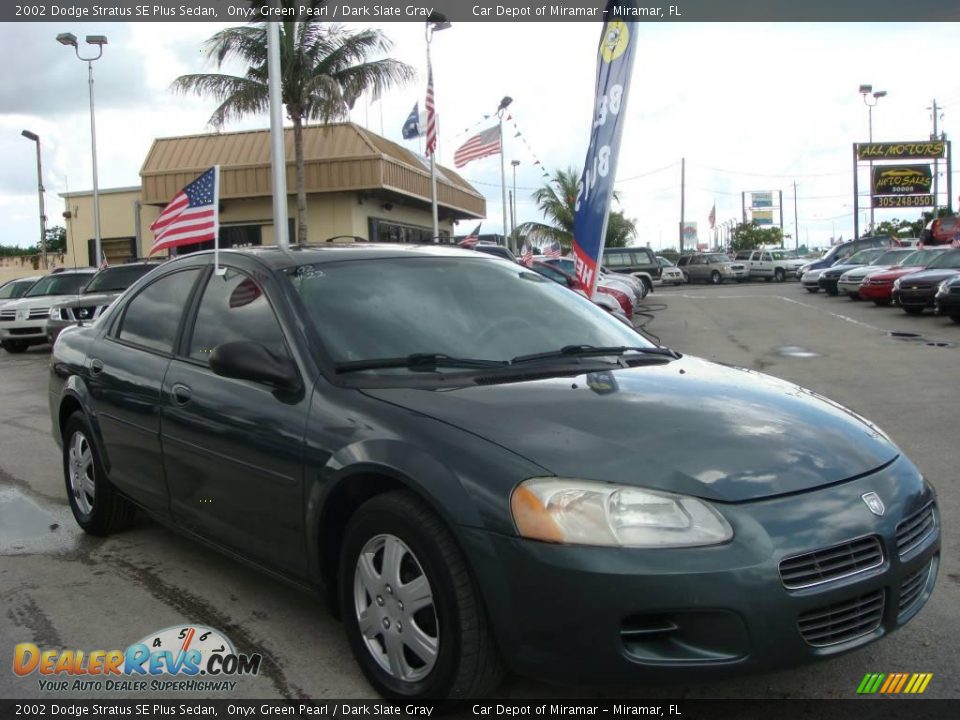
x=556 y=201
x=324 y=69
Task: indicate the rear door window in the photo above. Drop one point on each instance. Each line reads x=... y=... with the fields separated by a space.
x=152 y=318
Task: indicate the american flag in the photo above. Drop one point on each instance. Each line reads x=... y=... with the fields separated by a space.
x=103 y=260
x=712 y=217
x=527 y=257
x=473 y=237
x=479 y=146
x=191 y=217
x=431 y=114
x=553 y=250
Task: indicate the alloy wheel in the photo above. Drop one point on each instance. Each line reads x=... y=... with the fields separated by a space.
x=395 y=609
x=81 y=468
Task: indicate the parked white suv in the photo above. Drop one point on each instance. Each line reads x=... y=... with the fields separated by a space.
x=23 y=322
x=770 y=264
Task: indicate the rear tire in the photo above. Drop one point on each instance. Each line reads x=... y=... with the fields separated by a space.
x=715 y=278
x=779 y=275
x=96 y=505
x=15 y=347
x=445 y=648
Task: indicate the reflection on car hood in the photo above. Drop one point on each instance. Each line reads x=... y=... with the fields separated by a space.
x=928 y=277
x=90 y=299
x=689 y=426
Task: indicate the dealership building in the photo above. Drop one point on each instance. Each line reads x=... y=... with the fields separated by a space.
x=358 y=184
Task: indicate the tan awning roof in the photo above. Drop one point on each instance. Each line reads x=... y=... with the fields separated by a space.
x=339 y=157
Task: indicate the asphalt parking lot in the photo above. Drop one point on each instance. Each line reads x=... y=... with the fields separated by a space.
x=59 y=588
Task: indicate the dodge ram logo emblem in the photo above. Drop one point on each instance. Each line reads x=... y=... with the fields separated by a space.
x=873 y=503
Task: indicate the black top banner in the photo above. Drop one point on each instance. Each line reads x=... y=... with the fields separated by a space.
x=471 y=11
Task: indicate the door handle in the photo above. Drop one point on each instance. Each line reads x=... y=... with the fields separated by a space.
x=181 y=394
x=96 y=367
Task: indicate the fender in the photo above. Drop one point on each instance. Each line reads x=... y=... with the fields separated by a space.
x=76 y=388
x=646 y=277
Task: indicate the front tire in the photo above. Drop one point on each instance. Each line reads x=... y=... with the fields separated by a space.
x=412 y=612
x=882 y=303
x=955 y=318
x=96 y=505
x=715 y=278
x=811 y=290
x=913 y=310
x=779 y=275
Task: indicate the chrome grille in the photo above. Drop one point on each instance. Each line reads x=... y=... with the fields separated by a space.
x=832 y=563
x=912 y=587
x=915 y=529
x=39 y=313
x=8 y=315
x=842 y=621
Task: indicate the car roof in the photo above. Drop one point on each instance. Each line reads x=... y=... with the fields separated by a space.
x=297 y=255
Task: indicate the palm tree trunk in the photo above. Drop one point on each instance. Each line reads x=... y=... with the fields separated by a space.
x=301 y=181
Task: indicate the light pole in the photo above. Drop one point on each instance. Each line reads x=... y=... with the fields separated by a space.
x=43 y=218
x=513 y=204
x=99 y=41
x=435 y=23
x=867 y=92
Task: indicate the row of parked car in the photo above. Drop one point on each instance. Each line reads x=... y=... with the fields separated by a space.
x=33 y=310
x=915 y=280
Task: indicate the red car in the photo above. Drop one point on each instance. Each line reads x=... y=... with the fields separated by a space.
x=879 y=286
x=621 y=300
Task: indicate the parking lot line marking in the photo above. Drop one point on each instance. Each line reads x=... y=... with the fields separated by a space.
x=836 y=315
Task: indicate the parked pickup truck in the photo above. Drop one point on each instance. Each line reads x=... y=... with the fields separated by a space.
x=770 y=264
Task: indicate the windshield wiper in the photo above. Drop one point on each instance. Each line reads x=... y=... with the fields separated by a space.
x=594 y=351
x=418 y=361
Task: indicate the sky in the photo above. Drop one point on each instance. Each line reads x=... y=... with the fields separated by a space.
x=751 y=107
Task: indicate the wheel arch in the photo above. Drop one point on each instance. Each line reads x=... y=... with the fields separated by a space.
x=75 y=397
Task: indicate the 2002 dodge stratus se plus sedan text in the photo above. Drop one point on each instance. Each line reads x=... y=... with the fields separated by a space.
x=486 y=472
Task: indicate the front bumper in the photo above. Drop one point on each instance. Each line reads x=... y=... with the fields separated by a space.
x=828 y=284
x=914 y=298
x=947 y=303
x=612 y=615
x=30 y=330
x=849 y=288
x=876 y=292
x=811 y=280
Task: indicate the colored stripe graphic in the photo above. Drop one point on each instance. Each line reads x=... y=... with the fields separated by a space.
x=894 y=683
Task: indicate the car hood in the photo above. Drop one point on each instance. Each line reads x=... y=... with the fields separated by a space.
x=687 y=426
x=896 y=272
x=861 y=271
x=928 y=277
x=89 y=299
x=838 y=270
x=37 y=301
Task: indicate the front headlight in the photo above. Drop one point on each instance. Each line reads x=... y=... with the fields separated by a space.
x=896 y=284
x=57 y=314
x=586 y=512
x=942 y=287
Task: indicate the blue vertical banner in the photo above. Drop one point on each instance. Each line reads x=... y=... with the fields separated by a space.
x=614 y=66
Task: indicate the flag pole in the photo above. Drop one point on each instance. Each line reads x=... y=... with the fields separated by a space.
x=503 y=183
x=428 y=31
x=278 y=154
x=216 y=222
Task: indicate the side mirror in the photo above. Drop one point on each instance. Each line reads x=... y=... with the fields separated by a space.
x=246 y=360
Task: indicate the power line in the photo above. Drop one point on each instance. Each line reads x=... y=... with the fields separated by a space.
x=756 y=174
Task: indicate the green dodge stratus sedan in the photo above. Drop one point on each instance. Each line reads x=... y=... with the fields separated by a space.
x=485 y=472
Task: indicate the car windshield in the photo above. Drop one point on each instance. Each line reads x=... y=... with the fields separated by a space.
x=664 y=262
x=15 y=289
x=890 y=257
x=946 y=260
x=60 y=284
x=117 y=278
x=717 y=258
x=861 y=258
x=921 y=258
x=487 y=311
x=565 y=264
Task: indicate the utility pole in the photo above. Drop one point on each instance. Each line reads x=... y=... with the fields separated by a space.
x=683 y=180
x=936 y=164
x=796 y=226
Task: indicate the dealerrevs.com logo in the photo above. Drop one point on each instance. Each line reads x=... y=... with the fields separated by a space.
x=179 y=658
